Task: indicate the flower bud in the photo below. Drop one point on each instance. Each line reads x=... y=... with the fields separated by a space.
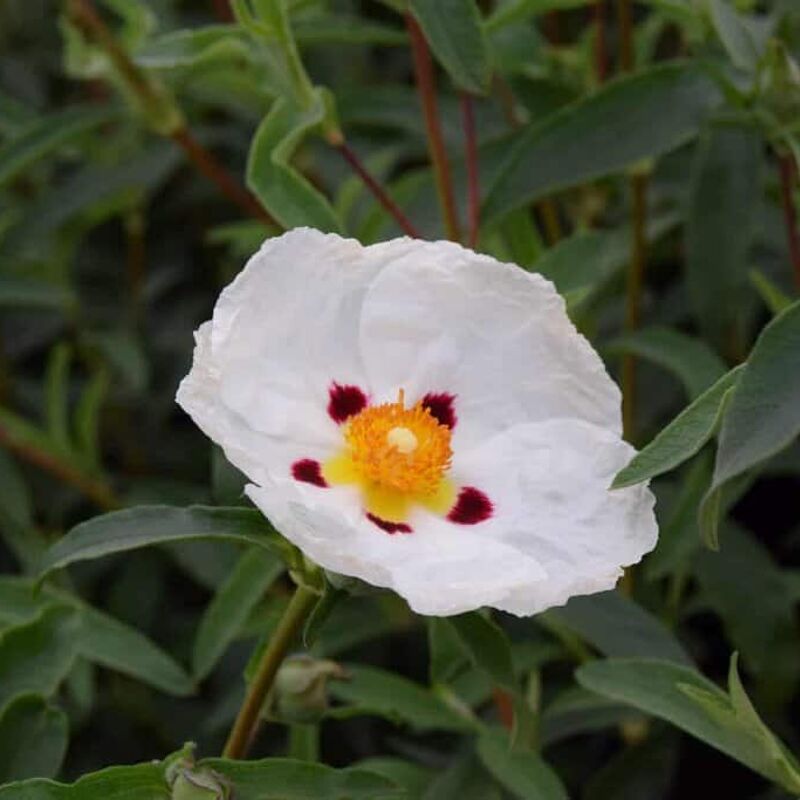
x=190 y=782
x=300 y=693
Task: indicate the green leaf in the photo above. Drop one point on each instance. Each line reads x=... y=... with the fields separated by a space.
x=286 y=779
x=523 y=773
x=515 y=11
x=630 y=119
x=685 y=698
x=739 y=41
x=721 y=228
x=47 y=134
x=21 y=292
x=774 y=298
x=765 y=632
x=37 y=655
x=285 y=193
x=692 y=362
x=346 y=29
x=763 y=416
x=453 y=30
x=191 y=47
x=375 y=692
x=120 y=531
x=487 y=646
x=57 y=396
x=256 y=570
x=617 y=626
x=410 y=776
x=683 y=437
x=140 y=782
x=33 y=739
x=16 y=515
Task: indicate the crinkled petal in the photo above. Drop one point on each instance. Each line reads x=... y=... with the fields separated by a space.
x=549 y=483
x=442 y=318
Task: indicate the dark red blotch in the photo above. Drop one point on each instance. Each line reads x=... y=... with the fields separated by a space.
x=309 y=471
x=345 y=401
x=389 y=527
x=472 y=507
x=440 y=404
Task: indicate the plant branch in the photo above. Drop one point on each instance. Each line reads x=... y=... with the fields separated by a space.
x=600 y=48
x=378 y=192
x=625 y=23
x=788 y=175
x=423 y=69
x=161 y=110
x=473 y=170
x=98 y=491
x=247 y=720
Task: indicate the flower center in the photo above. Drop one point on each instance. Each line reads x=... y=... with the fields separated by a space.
x=405 y=449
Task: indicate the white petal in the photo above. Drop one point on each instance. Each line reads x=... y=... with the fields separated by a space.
x=443 y=318
x=281 y=333
x=440 y=568
x=549 y=484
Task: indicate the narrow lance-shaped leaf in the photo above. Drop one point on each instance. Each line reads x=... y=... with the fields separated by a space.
x=683 y=437
x=149 y=525
x=763 y=416
x=627 y=121
x=720 y=229
x=453 y=30
x=285 y=193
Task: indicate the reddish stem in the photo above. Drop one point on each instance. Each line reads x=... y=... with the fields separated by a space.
x=97 y=491
x=473 y=183
x=222 y=10
x=600 y=49
x=208 y=165
x=505 y=707
x=788 y=176
x=377 y=190
x=426 y=84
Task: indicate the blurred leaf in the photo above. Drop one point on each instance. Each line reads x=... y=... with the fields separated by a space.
x=514 y=11
x=256 y=570
x=763 y=415
x=630 y=119
x=87 y=419
x=577 y=711
x=285 y=193
x=463 y=779
x=617 y=626
x=327 y=603
x=37 y=655
x=487 y=646
x=285 y=779
x=408 y=775
x=774 y=299
x=191 y=47
x=683 y=437
x=57 y=396
x=46 y=134
x=685 y=698
x=33 y=739
x=21 y=292
x=346 y=29
x=690 y=360
x=375 y=692
x=721 y=228
x=16 y=515
x=453 y=30
x=737 y=39
x=765 y=632
x=448 y=656
x=120 y=531
x=524 y=774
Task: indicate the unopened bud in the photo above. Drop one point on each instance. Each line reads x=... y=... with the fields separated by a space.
x=300 y=693
x=187 y=781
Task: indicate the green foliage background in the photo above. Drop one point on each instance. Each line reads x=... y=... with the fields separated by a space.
x=128 y=132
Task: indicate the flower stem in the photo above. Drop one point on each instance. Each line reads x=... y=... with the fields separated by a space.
x=162 y=111
x=208 y=165
x=377 y=190
x=247 y=720
x=600 y=49
x=423 y=69
x=473 y=171
x=98 y=491
x=633 y=298
x=788 y=176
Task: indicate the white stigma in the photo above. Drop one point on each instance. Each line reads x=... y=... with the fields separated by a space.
x=402 y=439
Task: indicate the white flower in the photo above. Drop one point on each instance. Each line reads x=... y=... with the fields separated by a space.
x=423 y=418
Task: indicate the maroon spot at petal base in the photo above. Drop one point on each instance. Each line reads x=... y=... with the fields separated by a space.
x=389 y=527
x=345 y=401
x=309 y=471
x=472 y=507
x=440 y=404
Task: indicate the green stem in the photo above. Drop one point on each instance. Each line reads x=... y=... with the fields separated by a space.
x=423 y=69
x=473 y=172
x=247 y=720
